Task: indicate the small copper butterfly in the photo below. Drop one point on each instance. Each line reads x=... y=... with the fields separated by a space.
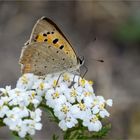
x=48 y=51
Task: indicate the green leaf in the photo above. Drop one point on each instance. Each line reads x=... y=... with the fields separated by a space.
x=16 y=136
x=103 y=132
x=50 y=113
x=55 y=137
x=28 y=137
x=1 y=123
x=82 y=133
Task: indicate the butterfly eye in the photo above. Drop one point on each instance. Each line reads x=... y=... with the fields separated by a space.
x=81 y=61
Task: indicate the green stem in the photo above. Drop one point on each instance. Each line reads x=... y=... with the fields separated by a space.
x=50 y=110
x=28 y=137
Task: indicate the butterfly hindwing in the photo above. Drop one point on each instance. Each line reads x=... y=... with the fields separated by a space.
x=40 y=59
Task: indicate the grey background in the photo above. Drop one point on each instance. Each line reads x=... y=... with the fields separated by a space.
x=114 y=23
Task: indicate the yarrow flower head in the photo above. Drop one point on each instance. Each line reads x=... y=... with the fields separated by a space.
x=70 y=97
x=19 y=107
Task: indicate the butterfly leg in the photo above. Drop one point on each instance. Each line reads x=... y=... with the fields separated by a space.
x=59 y=78
x=73 y=82
x=79 y=81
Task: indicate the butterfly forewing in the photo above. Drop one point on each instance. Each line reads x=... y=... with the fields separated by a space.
x=47 y=31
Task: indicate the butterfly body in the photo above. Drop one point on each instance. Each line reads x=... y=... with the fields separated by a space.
x=48 y=51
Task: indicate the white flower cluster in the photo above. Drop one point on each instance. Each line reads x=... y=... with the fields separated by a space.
x=71 y=98
x=19 y=107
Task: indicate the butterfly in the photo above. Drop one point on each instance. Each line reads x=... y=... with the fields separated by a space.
x=48 y=51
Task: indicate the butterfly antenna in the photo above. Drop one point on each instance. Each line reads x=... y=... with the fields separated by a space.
x=86 y=69
x=100 y=60
x=95 y=39
x=73 y=82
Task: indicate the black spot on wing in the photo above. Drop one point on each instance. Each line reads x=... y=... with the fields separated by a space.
x=55 y=41
x=44 y=34
x=36 y=37
x=61 y=47
x=51 y=22
x=40 y=73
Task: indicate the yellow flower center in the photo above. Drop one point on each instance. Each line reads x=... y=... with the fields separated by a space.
x=94 y=119
x=73 y=93
x=91 y=82
x=24 y=79
x=66 y=77
x=102 y=106
x=82 y=106
x=41 y=86
x=54 y=83
x=12 y=117
x=95 y=101
x=33 y=94
x=65 y=109
x=55 y=95
x=86 y=94
x=82 y=82
x=17 y=93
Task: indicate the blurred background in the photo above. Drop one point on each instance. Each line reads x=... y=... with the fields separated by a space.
x=116 y=26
